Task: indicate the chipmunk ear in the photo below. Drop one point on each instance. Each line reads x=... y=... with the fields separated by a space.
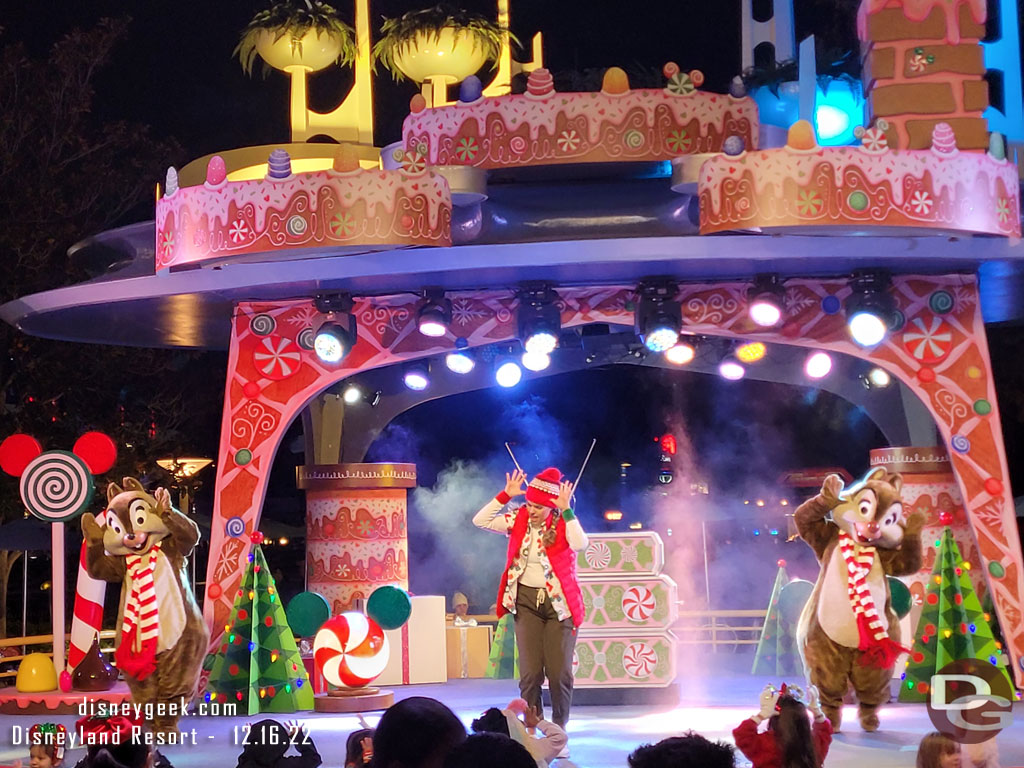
x=113 y=489
x=163 y=499
x=131 y=484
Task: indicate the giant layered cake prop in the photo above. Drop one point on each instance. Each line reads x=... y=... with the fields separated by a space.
x=927 y=161
x=545 y=127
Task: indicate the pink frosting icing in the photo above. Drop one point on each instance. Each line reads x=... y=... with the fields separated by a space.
x=540 y=83
x=943 y=139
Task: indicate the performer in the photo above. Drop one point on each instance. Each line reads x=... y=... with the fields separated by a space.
x=539 y=585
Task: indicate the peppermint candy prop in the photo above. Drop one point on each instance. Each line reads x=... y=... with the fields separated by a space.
x=350 y=650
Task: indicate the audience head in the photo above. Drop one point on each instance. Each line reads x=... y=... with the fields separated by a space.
x=491 y=721
x=416 y=733
x=491 y=749
x=265 y=744
x=43 y=756
x=128 y=754
x=937 y=750
x=354 y=754
x=792 y=730
x=691 y=750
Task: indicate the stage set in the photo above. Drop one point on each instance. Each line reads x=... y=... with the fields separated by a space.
x=538 y=229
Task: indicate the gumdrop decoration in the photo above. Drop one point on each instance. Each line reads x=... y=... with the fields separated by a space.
x=615 y=81
x=94 y=673
x=471 y=90
x=346 y=159
x=801 y=136
x=540 y=83
x=216 y=171
x=417 y=103
x=171 y=186
x=997 y=146
x=943 y=140
x=279 y=166
x=737 y=88
x=734 y=145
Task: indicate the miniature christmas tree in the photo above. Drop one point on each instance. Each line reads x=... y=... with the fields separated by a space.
x=258 y=665
x=777 y=652
x=503 y=662
x=953 y=625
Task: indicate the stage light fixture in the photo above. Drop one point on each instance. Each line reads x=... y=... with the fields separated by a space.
x=417 y=376
x=751 y=352
x=508 y=373
x=352 y=394
x=731 y=369
x=460 y=361
x=658 y=315
x=879 y=377
x=435 y=314
x=681 y=354
x=818 y=365
x=765 y=299
x=869 y=307
x=336 y=336
x=538 y=318
x=536 y=361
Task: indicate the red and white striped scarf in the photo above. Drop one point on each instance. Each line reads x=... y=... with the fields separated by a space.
x=878 y=648
x=136 y=655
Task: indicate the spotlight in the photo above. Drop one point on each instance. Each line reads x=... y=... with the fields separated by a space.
x=879 y=377
x=818 y=365
x=658 y=315
x=417 y=376
x=337 y=335
x=508 y=373
x=460 y=361
x=536 y=361
x=751 y=352
x=681 y=354
x=731 y=370
x=765 y=299
x=538 y=318
x=435 y=313
x=352 y=394
x=869 y=307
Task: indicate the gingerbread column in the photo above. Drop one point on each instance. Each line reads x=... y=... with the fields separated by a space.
x=356 y=535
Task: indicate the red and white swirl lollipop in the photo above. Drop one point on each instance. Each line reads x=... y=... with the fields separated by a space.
x=350 y=650
x=639 y=660
x=638 y=604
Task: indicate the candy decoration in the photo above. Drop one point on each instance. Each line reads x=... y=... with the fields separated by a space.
x=697 y=77
x=639 y=660
x=389 y=606
x=306 y=338
x=262 y=324
x=997 y=146
x=670 y=69
x=279 y=166
x=235 y=528
x=414 y=163
x=638 y=604
x=64 y=681
x=94 y=673
x=960 y=444
x=36 y=674
x=278 y=357
x=733 y=146
x=615 y=81
x=540 y=83
x=928 y=343
x=350 y=650
x=873 y=139
x=307 y=612
x=941 y=302
x=993 y=486
x=943 y=140
x=242 y=457
x=97 y=450
x=801 y=136
x=17 y=452
x=56 y=486
x=598 y=555
x=346 y=159
x=471 y=90
x=737 y=89
x=216 y=172
x=87 y=616
x=417 y=103
x=857 y=200
x=945 y=517
x=171 y=185
x=982 y=407
x=680 y=84
x=918 y=63
x=296 y=226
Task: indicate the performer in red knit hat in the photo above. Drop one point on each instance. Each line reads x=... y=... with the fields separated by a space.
x=539 y=584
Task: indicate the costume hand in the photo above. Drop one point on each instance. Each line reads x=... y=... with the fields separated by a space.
x=367 y=746
x=814 y=701
x=514 y=483
x=531 y=717
x=91 y=529
x=830 y=490
x=769 y=698
x=565 y=490
x=914 y=524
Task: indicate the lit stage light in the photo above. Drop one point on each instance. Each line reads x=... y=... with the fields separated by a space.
x=879 y=377
x=751 y=352
x=818 y=365
x=731 y=370
x=435 y=314
x=765 y=298
x=352 y=394
x=536 y=361
x=681 y=354
x=417 y=376
x=539 y=321
x=869 y=308
x=658 y=315
x=508 y=373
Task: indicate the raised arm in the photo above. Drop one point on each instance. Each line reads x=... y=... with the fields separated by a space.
x=183 y=530
x=574 y=533
x=98 y=563
x=489 y=518
x=810 y=516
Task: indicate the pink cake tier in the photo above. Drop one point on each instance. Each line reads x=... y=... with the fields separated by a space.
x=315 y=210
x=854 y=187
x=13 y=702
x=594 y=127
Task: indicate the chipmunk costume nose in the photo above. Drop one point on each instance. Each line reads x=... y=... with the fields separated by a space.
x=135 y=540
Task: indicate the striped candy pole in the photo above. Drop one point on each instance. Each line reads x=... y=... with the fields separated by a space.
x=87 y=620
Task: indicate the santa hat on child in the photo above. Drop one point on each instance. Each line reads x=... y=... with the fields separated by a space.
x=543 y=489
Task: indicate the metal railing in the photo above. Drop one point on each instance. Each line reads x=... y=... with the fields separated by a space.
x=726 y=629
x=41 y=644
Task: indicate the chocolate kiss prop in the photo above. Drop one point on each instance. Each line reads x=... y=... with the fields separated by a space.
x=94 y=673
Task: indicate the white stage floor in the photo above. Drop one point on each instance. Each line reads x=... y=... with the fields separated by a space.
x=600 y=736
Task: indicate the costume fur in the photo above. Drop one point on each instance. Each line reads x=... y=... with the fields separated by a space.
x=871 y=514
x=137 y=523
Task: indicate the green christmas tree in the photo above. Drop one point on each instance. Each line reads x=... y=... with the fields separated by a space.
x=503 y=662
x=258 y=666
x=777 y=653
x=953 y=625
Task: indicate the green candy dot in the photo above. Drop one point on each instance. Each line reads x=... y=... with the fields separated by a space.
x=919 y=51
x=982 y=407
x=996 y=569
x=857 y=200
x=243 y=457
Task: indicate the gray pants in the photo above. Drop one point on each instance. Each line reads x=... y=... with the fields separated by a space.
x=545 y=649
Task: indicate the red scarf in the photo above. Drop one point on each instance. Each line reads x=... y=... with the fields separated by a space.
x=878 y=648
x=136 y=655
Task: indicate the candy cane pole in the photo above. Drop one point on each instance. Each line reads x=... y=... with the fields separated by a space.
x=87 y=620
x=57 y=590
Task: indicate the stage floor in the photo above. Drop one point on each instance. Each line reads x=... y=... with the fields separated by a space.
x=600 y=736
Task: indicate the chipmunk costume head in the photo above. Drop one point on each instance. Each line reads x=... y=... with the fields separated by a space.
x=144 y=543
x=848 y=633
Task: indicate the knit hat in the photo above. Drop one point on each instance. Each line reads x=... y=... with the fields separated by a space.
x=459 y=599
x=543 y=489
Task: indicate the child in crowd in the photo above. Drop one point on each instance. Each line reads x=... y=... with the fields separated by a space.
x=359 y=748
x=268 y=741
x=47 y=745
x=937 y=750
x=780 y=736
x=113 y=746
x=506 y=721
